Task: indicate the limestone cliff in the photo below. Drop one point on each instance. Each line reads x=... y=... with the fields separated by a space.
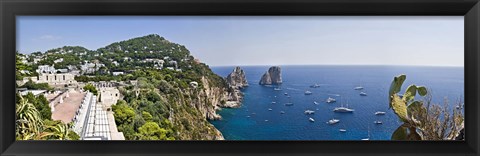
x=272 y=76
x=237 y=79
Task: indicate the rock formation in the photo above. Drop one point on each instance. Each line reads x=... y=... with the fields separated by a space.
x=237 y=79
x=272 y=76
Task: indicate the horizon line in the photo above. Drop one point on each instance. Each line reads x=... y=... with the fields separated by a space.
x=453 y=66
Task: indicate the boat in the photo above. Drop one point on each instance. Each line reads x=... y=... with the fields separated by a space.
x=270 y=109
x=282 y=112
x=342 y=130
x=309 y=112
x=308 y=92
x=277 y=89
x=288 y=96
x=315 y=102
x=315 y=86
x=368 y=138
x=333 y=121
x=248 y=116
x=285 y=93
x=379 y=113
x=342 y=109
x=377 y=122
x=363 y=94
x=311 y=119
x=266 y=120
x=289 y=104
x=273 y=102
x=358 y=88
x=331 y=100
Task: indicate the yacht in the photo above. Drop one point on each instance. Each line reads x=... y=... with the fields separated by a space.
x=331 y=100
x=342 y=130
x=315 y=86
x=285 y=93
x=311 y=119
x=379 y=113
x=342 y=109
x=248 y=116
x=282 y=112
x=277 y=89
x=309 y=112
x=289 y=104
x=377 y=122
x=273 y=102
x=358 y=88
x=266 y=120
x=363 y=94
x=333 y=121
x=270 y=109
x=308 y=92
x=315 y=102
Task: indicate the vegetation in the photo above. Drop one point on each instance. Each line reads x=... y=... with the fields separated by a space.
x=30 y=125
x=420 y=122
x=89 y=87
x=36 y=86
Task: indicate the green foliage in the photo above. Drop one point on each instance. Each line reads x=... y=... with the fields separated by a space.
x=36 y=86
x=123 y=113
x=89 y=87
x=41 y=104
x=151 y=131
x=405 y=107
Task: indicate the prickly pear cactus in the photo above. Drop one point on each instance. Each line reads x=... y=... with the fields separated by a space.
x=404 y=106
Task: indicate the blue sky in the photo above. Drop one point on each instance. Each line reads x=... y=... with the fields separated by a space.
x=265 y=40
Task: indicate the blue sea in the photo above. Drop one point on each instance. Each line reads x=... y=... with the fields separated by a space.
x=337 y=82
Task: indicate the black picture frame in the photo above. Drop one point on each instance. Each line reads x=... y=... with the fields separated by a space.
x=9 y=9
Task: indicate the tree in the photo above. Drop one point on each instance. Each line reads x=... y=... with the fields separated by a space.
x=123 y=113
x=29 y=123
x=151 y=131
x=89 y=87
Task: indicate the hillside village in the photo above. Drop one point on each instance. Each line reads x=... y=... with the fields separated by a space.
x=145 y=88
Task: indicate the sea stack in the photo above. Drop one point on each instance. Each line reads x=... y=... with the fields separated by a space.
x=272 y=76
x=237 y=79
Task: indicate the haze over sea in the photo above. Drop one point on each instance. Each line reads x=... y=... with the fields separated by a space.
x=335 y=81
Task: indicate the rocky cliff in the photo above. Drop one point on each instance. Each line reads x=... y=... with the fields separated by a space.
x=272 y=76
x=236 y=81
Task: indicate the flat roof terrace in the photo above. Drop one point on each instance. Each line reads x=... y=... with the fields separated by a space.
x=66 y=111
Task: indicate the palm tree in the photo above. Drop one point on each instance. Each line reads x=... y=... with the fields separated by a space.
x=61 y=131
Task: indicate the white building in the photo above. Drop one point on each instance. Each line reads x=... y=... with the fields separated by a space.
x=117 y=73
x=46 y=69
x=58 y=60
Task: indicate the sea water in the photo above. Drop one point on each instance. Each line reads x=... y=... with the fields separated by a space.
x=254 y=121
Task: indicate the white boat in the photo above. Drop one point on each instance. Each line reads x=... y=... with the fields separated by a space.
x=248 y=116
x=266 y=120
x=358 y=88
x=342 y=130
x=342 y=109
x=333 y=121
x=368 y=138
x=285 y=93
x=282 y=112
x=315 y=102
x=379 y=113
x=331 y=100
x=270 y=109
x=277 y=89
x=377 y=122
x=309 y=112
x=363 y=94
x=273 y=102
x=308 y=92
x=315 y=86
x=289 y=104
x=311 y=119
